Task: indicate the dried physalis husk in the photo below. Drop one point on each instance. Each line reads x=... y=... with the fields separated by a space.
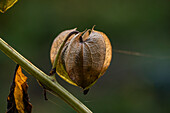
x=84 y=58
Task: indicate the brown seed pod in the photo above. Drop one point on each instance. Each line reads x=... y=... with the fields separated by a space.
x=84 y=57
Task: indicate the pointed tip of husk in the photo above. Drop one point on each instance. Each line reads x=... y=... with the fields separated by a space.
x=93 y=27
x=75 y=28
x=84 y=30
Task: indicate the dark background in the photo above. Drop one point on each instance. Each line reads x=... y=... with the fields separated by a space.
x=132 y=84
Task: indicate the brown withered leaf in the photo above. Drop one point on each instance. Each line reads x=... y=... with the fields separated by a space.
x=6 y=4
x=18 y=100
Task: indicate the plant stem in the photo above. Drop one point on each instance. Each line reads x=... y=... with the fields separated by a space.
x=43 y=78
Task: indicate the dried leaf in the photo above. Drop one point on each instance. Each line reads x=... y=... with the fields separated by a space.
x=6 y=4
x=18 y=101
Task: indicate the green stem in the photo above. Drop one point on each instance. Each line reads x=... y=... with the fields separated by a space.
x=43 y=78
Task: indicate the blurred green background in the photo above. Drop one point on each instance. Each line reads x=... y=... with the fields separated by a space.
x=132 y=84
